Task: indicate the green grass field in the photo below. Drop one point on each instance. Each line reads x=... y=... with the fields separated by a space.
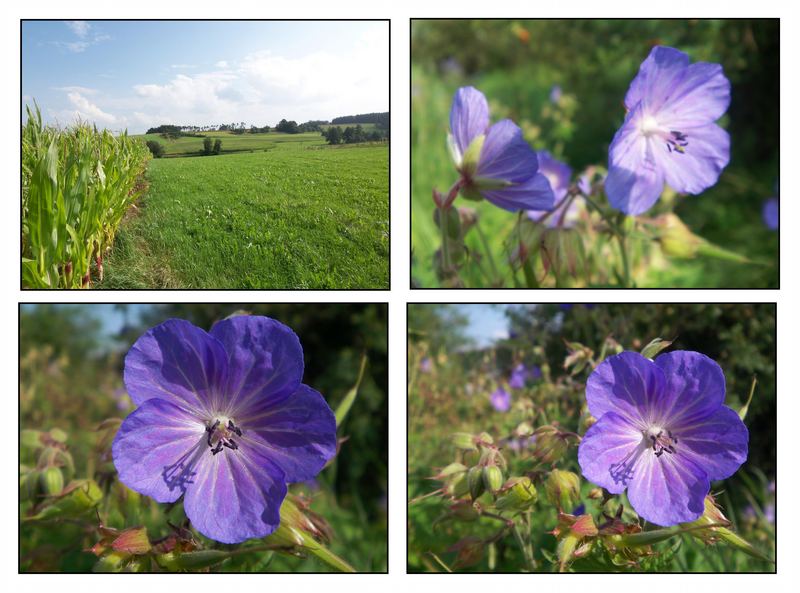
x=188 y=145
x=292 y=214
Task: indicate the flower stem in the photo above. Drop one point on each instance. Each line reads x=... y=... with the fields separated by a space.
x=619 y=232
x=626 y=270
x=526 y=552
x=489 y=255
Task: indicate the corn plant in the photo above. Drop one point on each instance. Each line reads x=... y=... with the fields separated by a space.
x=77 y=184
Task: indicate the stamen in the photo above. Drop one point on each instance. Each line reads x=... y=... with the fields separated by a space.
x=677 y=142
x=662 y=441
x=220 y=437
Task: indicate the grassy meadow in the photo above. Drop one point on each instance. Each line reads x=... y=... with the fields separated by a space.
x=288 y=212
x=273 y=211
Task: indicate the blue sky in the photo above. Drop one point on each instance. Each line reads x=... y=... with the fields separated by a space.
x=138 y=74
x=487 y=323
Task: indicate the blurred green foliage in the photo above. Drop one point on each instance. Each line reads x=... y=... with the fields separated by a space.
x=516 y=64
x=564 y=341
x=71 y=380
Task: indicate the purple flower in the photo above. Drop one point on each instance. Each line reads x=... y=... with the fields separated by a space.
x=425 y=365
x=518 y=377
x=558 y=175
x=500 y=400
x=663 y=432
x=521 y=374
x=223 y=419
x=494 y=161
x=769 y=213
x=669 y=134
x=555 y=93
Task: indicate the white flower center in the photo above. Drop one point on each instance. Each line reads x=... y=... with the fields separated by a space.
x=660 y=439
x=649 y=126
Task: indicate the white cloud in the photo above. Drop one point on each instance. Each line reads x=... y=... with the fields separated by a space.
x=80 y=28
x=260 y=88
x=75 y=47
x=76 y=89
x=87 y=111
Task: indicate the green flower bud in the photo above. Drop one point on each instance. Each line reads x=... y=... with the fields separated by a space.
x=112 y=562
x=132 y=541
x=30 y=487
x=464 y=441
x=492 y=478
x=451 y=470
x=30 y=439
x=654 y=347
x=191 y=560
x=676 y=239
x=519 y=494
x=475 y=482
x=486 y=438
x=77 y=499
x=459 y=486
x=549 y=445
x=52 y=481
x=563 y=489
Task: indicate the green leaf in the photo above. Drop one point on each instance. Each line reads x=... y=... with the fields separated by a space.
x=654 y=347
x=746 y=406
x=350 y=397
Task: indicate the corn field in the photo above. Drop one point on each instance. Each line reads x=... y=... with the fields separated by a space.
x=77 y=184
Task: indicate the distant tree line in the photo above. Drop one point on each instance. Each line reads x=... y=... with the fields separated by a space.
x=354 y=135
x=381 y=120
x=171 y=131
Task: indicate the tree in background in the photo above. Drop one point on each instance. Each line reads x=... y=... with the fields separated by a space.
x=217 y=146
x=207 y=145
x=333 y=135
x=156 y=148
x=287 y=127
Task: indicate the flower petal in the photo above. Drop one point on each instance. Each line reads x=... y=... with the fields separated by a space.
x=609 y=451
x=718 y=443
x=658 y=75
x=535 y=194
x=505 y=155
x=469 y=116
x=157 y=448
x=695 y=389
x=668 y=490
x=634 y=182
x=701 y=96
x=298 y=435
x=237 y=496
x=699 y=167
x=265 y=361
x=178 y=362
x=628 y=384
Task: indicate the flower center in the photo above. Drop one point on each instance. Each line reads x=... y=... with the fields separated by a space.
x=661 y=440
x=221 y=433
x=675 y=140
